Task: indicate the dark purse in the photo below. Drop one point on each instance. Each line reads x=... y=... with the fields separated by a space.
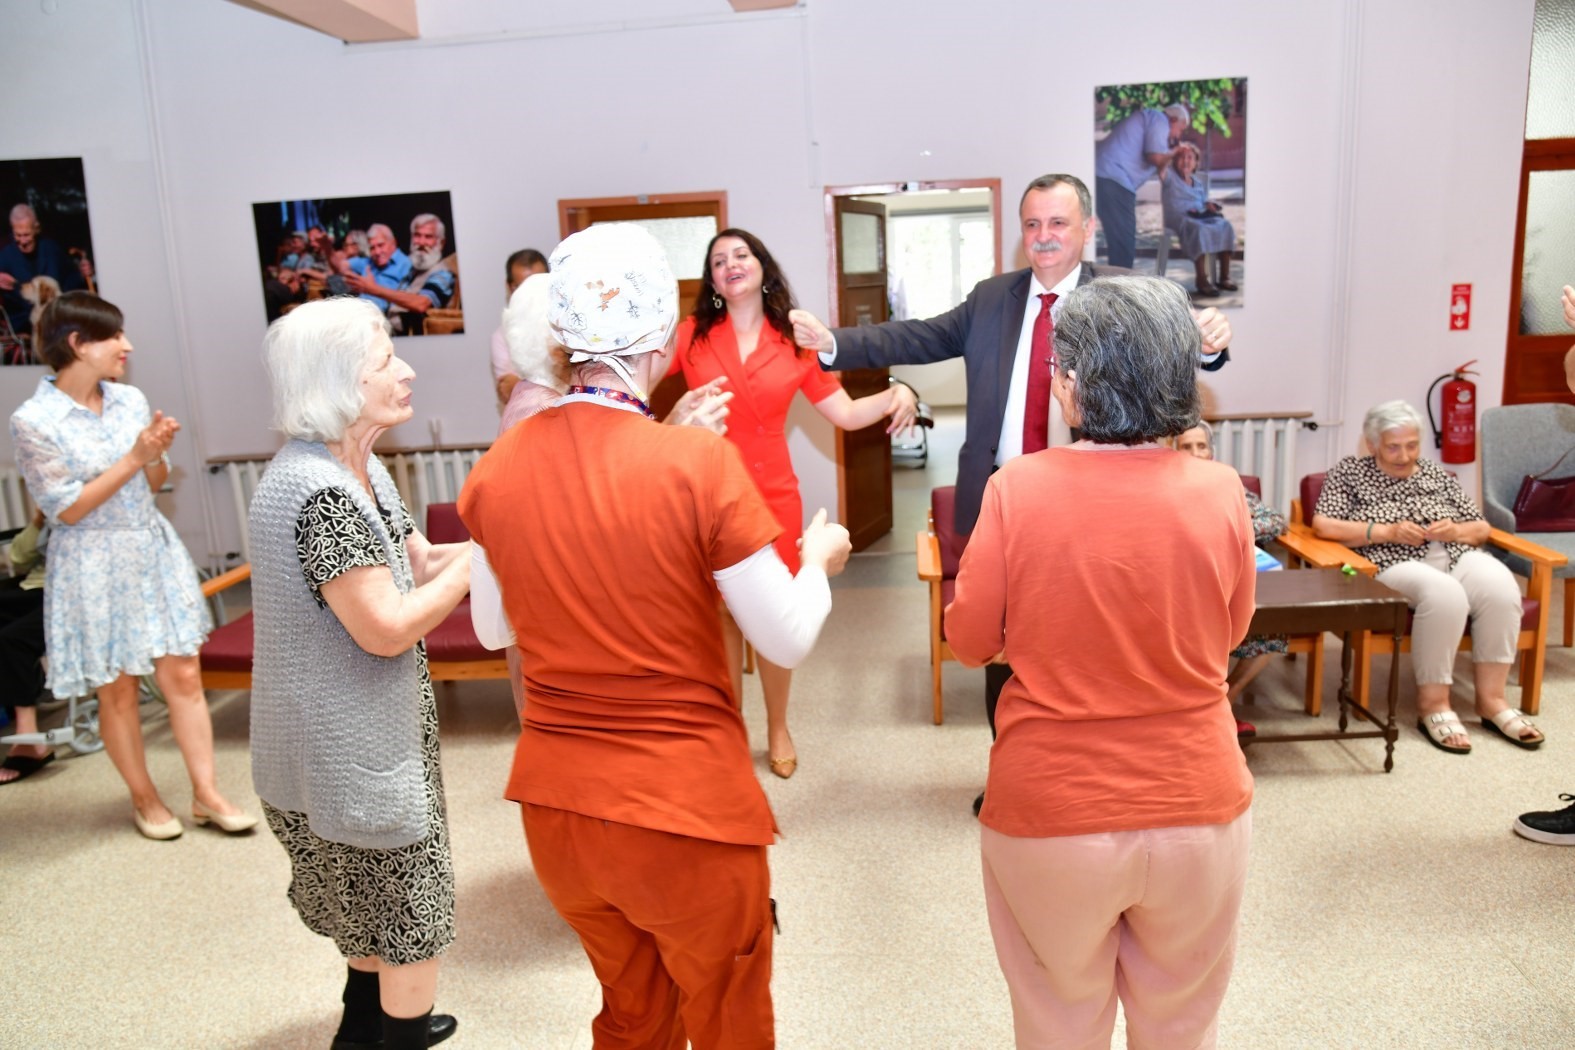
x=1546 y=505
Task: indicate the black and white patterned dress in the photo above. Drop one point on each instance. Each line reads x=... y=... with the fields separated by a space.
x=1357 y=489
x=396 y=904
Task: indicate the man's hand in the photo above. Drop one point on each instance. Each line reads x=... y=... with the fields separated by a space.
x=7 y=282
x=825 y=544
x=1215 y=329
x=85 y=267
x=362 y=284
x=810 y=333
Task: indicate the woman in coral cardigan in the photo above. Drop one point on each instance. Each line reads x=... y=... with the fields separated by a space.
x=738 y=331
x=1116 y=815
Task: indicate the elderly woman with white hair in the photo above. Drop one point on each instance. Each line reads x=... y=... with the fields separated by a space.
x=1411 y=518
x=610 y=537
x=344 y=723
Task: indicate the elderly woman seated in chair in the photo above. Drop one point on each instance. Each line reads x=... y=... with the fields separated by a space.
x=1412 y=519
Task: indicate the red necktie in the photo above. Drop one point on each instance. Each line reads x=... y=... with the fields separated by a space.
x=1041 y=363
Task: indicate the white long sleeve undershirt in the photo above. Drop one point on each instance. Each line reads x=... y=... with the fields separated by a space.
x=781 y=614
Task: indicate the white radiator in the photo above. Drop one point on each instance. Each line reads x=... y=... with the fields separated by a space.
x=15 y=507
x=1263 y=446
x=422 y=478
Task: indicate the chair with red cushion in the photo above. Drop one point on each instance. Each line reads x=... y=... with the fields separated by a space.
x=453 y=651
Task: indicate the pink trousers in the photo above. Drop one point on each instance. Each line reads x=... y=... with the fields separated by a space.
x=1149 y=916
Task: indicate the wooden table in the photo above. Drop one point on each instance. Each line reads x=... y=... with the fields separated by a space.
x=1304 y=601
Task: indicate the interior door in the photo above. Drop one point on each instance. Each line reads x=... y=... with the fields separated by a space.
x=863 y=456
x=683 y=223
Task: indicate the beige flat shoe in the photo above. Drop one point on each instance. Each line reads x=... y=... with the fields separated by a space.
x=170 y=829
x=784 y=767
x=232 y=824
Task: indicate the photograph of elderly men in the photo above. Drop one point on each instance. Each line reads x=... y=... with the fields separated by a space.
x=397 y=252
x=1170 y=165
x=45 y=246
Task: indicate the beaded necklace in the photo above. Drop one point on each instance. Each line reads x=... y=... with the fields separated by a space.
x=614 y=395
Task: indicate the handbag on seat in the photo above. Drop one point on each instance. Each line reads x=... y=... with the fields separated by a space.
x=1546 y=504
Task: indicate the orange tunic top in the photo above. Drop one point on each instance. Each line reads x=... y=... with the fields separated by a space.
x=763 y=389
x=604 y=528
x=1117 y=582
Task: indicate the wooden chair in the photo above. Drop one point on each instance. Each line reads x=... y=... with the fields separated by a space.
x=1533 y=639
x=1310 y=645
x=937 y=555
x=453 y=651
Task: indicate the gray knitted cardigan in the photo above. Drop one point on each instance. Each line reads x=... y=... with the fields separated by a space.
x=336 y=731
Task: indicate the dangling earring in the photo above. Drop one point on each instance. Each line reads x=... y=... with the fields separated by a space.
x=716 y=301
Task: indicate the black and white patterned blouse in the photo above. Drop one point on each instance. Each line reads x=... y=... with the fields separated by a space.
x=1357 y=489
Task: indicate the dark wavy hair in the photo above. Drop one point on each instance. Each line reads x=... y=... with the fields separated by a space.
x=84 y=313
x=774 y=288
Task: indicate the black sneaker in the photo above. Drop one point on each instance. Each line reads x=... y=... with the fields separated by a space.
x=1555 y=827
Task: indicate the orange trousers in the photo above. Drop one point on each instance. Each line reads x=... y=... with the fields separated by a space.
x=678 y=930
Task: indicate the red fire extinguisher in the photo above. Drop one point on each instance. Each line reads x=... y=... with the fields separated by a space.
x=1458 y=407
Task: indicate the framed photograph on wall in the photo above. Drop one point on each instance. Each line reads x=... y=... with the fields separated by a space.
x=47 y=247
x=1170 y=183
x=397 y=251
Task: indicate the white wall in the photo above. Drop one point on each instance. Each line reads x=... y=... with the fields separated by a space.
x=1359 y=111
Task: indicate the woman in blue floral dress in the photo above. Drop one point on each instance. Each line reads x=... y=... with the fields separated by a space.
x=121 y=597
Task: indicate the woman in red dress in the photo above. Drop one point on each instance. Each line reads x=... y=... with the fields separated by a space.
x=738 y=331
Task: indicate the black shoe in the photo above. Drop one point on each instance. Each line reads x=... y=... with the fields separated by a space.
x=1555 y=827
x=978 y=804
x=439 y=1028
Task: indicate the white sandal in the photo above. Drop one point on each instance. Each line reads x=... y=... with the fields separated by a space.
x=1439 y=727
x=1511 y=724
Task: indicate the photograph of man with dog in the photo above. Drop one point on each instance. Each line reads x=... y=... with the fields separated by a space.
x=48 y=248
x=396 y=251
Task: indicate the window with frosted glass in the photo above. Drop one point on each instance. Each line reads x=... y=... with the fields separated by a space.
x=1550 y=252
x=1549 y=114
x=683 y=239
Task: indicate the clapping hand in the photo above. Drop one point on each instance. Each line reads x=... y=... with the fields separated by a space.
x=704 y=406
x=155 y=439
x=1445 y=531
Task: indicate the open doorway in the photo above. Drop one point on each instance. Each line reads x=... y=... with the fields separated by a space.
x=939 y=244
x=916 y=249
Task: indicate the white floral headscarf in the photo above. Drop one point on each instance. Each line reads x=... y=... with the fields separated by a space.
x=613 y=295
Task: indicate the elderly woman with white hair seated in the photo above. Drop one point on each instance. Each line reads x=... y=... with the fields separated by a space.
x=1411 y=518
x=344 y=723
x=610 y=537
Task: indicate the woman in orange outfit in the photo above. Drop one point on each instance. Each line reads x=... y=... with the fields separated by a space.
x=739 y=331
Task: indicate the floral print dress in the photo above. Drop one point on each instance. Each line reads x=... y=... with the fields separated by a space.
x=120 y=590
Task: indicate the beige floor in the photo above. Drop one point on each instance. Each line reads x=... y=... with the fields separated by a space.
x=1383 y=910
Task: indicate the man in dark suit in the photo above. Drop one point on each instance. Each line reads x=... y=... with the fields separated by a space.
x=993 y=331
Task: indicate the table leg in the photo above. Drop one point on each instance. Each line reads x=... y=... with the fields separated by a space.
x=1345 y=679
x=1391 y=732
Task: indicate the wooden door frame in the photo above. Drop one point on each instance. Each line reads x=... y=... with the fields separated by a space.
x=718 y=197
x=833 y=310
x=1537 y=155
